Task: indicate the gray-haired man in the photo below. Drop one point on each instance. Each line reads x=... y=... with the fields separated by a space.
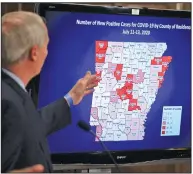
x=24 y=129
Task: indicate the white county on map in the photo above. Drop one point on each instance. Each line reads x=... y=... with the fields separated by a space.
x=129 y=75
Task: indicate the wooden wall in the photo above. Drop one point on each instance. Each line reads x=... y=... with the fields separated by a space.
x=8 y=7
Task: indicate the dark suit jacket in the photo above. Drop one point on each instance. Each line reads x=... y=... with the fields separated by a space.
x=24 y=129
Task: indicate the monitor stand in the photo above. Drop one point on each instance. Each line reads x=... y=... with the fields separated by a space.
x=106 y=170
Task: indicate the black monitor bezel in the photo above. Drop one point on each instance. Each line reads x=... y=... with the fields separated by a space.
x=120 y=156
x=87 y=8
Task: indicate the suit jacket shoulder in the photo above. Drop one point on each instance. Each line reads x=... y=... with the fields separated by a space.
x=24 y=140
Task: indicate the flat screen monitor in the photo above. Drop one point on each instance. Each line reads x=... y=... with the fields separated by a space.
x=142 y=59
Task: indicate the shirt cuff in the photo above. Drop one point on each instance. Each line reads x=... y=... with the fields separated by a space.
x=69 y=99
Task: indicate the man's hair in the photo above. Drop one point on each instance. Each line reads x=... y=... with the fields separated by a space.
x=20 y=32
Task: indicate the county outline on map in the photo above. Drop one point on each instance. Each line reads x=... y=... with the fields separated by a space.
x=129 y=75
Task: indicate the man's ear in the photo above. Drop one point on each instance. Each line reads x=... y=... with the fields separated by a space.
x=34 y=53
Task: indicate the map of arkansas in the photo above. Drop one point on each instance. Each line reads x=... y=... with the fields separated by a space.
x=129 y=75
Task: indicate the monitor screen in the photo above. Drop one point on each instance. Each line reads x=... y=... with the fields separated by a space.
x=143 y=67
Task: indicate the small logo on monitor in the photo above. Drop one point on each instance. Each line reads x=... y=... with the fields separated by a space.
x=121 y=157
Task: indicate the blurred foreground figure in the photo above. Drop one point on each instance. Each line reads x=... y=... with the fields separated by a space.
x=24 y=129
